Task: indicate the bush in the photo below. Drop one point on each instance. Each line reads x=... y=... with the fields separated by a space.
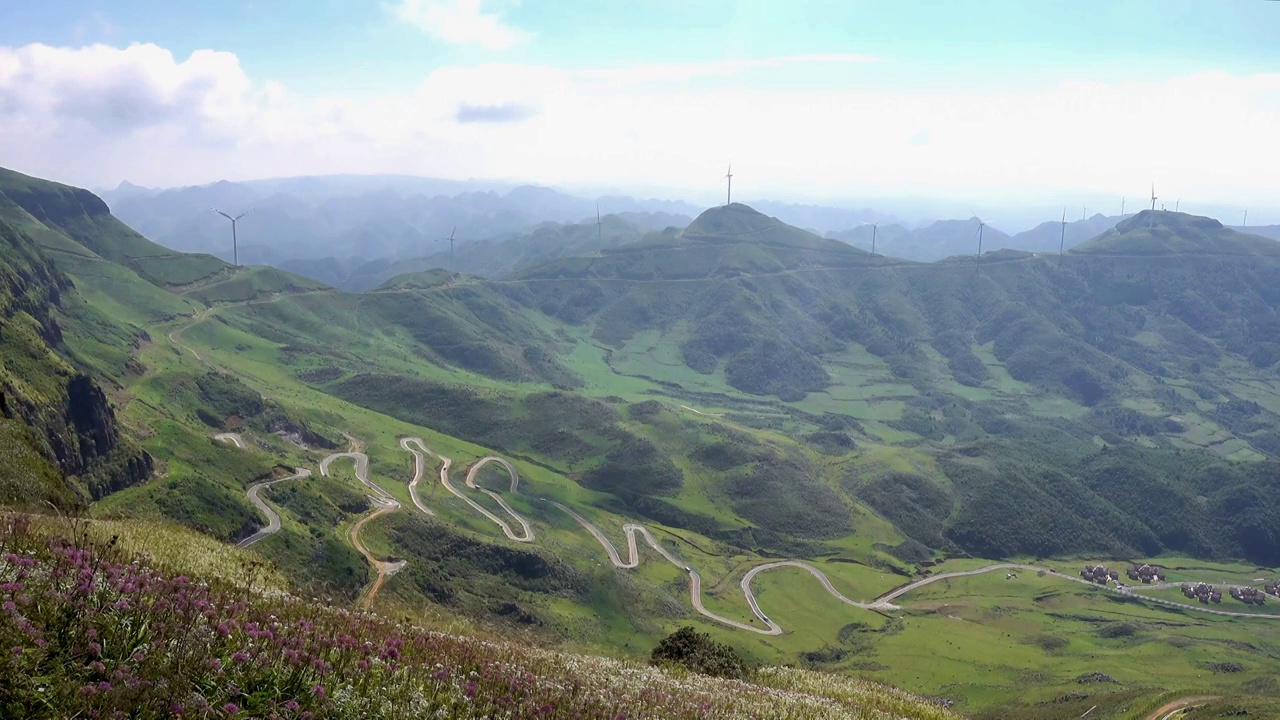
x=698 y=653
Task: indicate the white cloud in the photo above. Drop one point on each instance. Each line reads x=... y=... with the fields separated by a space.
x=98 y=114
x=461 y=22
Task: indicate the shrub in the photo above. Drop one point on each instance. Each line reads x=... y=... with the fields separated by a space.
x=698 y=653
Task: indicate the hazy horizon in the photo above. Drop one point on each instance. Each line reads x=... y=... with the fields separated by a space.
x=1075 y=103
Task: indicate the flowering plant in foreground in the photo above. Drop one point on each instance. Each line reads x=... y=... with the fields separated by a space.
x=87 y=633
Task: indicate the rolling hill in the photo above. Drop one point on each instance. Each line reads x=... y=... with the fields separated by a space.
x=953 y=237
x=746 y=390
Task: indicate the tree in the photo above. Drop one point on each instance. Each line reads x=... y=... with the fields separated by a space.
x=698 y=653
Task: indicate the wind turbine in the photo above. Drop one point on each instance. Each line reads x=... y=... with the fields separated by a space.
x=874 y=226
x=599 y=231
x=451 y=234
x=1246 y=218
x=1062 y=242
x=1121 y=206
x=1153 y=197
x=981 y=225
x=1177 y=204
x=1083 y=212
x=235 y=249
x=728 y=198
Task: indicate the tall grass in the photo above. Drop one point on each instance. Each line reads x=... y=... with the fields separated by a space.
x=86 y=632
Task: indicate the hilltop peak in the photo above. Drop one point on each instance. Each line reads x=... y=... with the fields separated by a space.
x=1167 y=219
x=731 y=219
x=1164 y=232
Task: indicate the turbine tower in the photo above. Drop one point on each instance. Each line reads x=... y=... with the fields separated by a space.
x=599 y=231
x=1246 y=218
x=1083 y=212
x=728 y=197
x=1177 y=204
x=1121 y=206
x=1062 y=242
x=235 y=249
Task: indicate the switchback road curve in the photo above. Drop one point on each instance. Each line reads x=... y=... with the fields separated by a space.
x=383 y=503
x=445 y=463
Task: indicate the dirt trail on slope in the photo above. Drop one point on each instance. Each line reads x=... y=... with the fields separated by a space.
x=1172 y=708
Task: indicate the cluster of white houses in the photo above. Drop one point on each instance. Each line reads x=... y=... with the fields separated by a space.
x=1249 y=595
x=1203 y=592
x=1099 y=574
x=1145 y=573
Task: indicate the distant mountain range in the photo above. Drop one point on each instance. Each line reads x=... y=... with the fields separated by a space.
x=947 y=238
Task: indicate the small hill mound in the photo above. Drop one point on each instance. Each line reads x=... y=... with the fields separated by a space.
x=252 y=283
x=729 y=241
x=1155 y=233
x=425 y=280
x=743 y=224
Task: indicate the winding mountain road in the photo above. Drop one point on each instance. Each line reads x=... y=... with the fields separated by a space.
x=515 y=487
x=233 y=438
x=383 y=503
x=254 y=493
x=419 y=470
x=446 y=463
x=273 y=518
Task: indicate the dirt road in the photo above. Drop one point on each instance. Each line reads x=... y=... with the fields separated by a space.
x=1171 y=709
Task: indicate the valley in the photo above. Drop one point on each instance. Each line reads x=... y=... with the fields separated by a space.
x=815 y=455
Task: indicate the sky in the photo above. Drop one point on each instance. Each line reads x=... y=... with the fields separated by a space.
x=1000 y=99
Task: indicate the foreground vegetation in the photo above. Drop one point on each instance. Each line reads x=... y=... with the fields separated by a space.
x=90 y=632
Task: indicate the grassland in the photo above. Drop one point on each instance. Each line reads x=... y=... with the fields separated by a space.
x=870 y=423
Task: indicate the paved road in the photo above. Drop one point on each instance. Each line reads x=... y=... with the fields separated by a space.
x=273 y=518
x=446 y=463
x=695 y=580
x=233 y=438
x=383 y=503
x=419 y=469
x=515 y=487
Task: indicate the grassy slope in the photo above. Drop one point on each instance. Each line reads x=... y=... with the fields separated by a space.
x=293 y=348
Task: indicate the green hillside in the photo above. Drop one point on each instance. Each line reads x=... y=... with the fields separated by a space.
x=83 y=218
x=55 y=420
x=723 y=242
x=746 y=391
x=505 y=256
x=1172 y=233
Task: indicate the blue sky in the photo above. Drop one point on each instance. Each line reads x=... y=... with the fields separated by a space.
x=916 y=93
x=357 y=46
